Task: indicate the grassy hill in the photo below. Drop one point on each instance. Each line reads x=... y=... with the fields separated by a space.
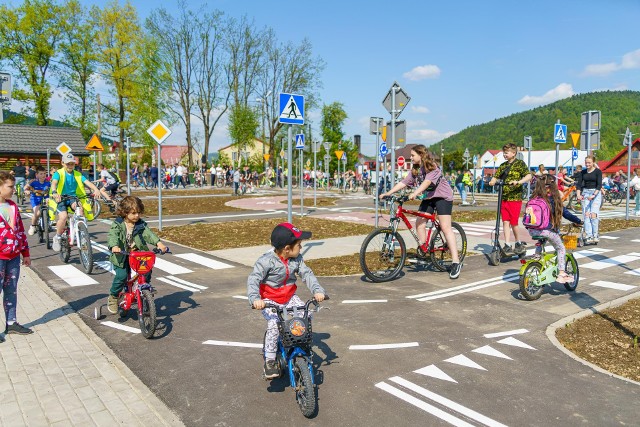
x=619 y=110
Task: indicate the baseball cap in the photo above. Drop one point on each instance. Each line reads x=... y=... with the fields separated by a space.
x=68 y=158
x=286 y=233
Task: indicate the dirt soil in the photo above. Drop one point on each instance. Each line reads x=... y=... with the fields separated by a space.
x=238 y=234
x=308 y=201
x=608 y=339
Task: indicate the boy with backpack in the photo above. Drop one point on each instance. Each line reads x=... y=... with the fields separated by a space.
x=111 y=180
x=542 y=217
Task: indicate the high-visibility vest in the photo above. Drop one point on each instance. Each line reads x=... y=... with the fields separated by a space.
x=80 y=192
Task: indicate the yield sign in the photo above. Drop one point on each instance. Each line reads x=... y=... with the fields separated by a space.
x=575 y=137
x=94 y=144
x=339 y=154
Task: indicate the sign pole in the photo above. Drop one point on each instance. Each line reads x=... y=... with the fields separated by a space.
x=49 y=161
x=377 y=169
x=160 y=182
x=289 y=175
x=301 y=182
x=587 y=137
x=558 y=152
x=128 y=166
x=629 y=137
x=529 y=164
x=315 y=171
x=393 y=136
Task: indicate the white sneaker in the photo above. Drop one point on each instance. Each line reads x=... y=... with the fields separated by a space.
x=32 y=230
x=56 y=243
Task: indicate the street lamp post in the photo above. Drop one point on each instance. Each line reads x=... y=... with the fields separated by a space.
x=264 y=104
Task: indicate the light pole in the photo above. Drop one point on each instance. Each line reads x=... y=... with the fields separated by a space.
x=264 y=104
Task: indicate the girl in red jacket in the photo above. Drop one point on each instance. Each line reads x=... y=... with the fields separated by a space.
x=13 y=243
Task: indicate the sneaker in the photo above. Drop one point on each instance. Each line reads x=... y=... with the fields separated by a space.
x=112 y=304
x=271 y=369
x=596 y=239
x=17 y=328
x=454 y=273
x=564 y=278
x=521 y=247
x=507 y=249
x=32 y=230
x=56 y=243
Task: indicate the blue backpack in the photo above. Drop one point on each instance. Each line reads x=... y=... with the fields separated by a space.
x=537 y=214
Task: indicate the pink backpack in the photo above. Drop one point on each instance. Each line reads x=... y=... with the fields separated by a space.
x=537 y=214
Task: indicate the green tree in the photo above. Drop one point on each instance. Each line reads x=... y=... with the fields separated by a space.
x=333 y=117
x=29 y=37
x=243 y=125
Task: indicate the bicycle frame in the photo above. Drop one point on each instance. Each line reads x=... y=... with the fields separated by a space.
x=549 y=271
x=72 y=224
x=135 y=284
x=400 y=215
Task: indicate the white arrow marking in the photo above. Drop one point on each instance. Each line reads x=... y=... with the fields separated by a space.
x=463 y=360
x=506 y=333
x=435 y=372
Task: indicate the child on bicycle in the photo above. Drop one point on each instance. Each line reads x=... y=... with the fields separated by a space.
x=42 y=186
x=128 y=233
x=274 y=280
x=547 y=189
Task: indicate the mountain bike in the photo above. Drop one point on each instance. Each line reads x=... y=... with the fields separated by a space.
x=383 y=251
x=614 y=196
x=294 y=354
x=139 y=291
x=569 y=195
x=76 y=232
x=536 y=273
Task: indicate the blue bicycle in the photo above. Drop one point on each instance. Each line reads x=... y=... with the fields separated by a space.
x=295 y=353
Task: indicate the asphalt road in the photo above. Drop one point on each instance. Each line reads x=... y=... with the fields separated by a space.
x=516 y=378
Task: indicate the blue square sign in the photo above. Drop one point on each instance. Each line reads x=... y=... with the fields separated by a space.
x=300 y=141
x=560 y=133
x=291 y=109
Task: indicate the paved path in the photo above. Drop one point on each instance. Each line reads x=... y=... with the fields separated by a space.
x=63 y=374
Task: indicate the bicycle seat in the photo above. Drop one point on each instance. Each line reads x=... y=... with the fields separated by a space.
x=540 y=238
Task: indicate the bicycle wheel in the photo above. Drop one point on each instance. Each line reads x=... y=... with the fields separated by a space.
x=84 y=247
x=41 y=227
x=65 y=249
x=382 y=255
x=572 y=269
x=96 y=207
x=294 y=183
x=529 y=287
x=439 y=247
x=305 y=389
x=147 y=314
x=616 y=198
x=354 y=187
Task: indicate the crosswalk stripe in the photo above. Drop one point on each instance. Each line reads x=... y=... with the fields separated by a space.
x=105 y=265
x=121 y=327
x=178 y=285
x=170 y=267
x=184 y=282
x=635 y=272
x=202 y=260
x=468 y=285
x=586 y=253
x=72 y=275
x=609 y=237
x=610 y=262
x=612 y=285
x=382 y=346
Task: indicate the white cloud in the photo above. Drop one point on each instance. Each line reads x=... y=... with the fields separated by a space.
x=426 y=136
x=420 y=109
x=629 y=61
x=563 y=90
x=422 y=72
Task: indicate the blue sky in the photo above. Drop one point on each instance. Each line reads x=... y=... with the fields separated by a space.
x=462 y=62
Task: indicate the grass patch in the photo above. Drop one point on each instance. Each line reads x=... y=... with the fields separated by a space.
x=473 y=216
x=239 y=234
x=608 y=339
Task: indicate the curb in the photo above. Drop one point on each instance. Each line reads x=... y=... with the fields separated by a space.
x=155 y=404
x=551 y=332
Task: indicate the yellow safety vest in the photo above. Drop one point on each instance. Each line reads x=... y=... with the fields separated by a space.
x=86 y=205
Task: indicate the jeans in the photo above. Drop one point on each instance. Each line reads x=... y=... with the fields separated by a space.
x=637 y=199
x=9 y=274
x=463 y=192
x=591 y=206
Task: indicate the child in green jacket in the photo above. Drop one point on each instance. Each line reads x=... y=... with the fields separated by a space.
x=129 y=233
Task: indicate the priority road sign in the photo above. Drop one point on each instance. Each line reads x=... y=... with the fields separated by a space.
x=401 y=98
x=94 y=144
x=282 y=153
x=383 y=149
x=560 y=133
x=300 y=141
x=574 y=153
x=63 y=148
x=291 y=109
x=159 y=132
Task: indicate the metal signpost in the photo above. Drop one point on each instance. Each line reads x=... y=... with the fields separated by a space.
x=590 y=122
x=300 y=148
x=559 y=137
x=575 y=138
x=5 y=94
x=528 y=144
x=159 y=132
x=316 y=145
x=128 y=166
x=395 y=101
x=94 y=145
x=628 y=141
x=339 y=154
x=473 y=187
x=327 y=161
x=375 y=128
x=290 y=105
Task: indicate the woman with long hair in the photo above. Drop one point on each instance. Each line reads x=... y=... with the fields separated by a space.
x=427 y=177
x=589 y=190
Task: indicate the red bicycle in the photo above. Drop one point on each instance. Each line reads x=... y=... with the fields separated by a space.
x=383 y=252
x=138 y=290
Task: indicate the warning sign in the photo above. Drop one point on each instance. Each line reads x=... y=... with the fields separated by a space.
x=94 y=144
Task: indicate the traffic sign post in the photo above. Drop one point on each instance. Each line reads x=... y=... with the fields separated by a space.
x=590 y=123
x=376 y=129
x=395 y=101
x=159 y=132
x=559 y=137
x=628 y=141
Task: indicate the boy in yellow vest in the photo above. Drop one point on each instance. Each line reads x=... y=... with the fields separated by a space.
x=68 y=182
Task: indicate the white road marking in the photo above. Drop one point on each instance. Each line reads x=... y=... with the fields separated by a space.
x=505 y=279
x=232 y=344
x=609 y=237
x=240 y=297
x=362 y=301
x=506 y=333
x=463 y=360
x=490 y=351
x=121 y=327
x=636 y=240
x=435 y=372
x=170 y=267
x=177 y=285
x=470 y=413
x=611 y=262
x=612 y=285
x=382 y=346
x=100 y=248
x=72 y=275
x=468 y=285
x=105 y=265
x=515 y=342
x=445 y=416
x=469 y=232
x=587 y=253
x=202 y=260
x=635 y=272
x=184 y=282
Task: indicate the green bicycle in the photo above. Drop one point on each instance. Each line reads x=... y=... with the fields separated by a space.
x=20 y=196
x=536 y=273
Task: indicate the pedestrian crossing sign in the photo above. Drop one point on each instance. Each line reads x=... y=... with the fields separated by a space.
x=560 y=133
x=291 y=109
x=300 y=141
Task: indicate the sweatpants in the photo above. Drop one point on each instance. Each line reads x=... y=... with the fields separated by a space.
x=9 y=275
x=271 y=338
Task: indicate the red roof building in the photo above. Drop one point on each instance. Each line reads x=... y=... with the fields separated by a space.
x=173 y=153
x=619 y=161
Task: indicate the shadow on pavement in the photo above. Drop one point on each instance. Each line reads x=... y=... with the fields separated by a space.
x=171 y=305
x=77 y=305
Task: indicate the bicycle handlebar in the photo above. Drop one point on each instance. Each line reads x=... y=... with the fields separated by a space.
x=305 y=306
x=394 y=198
x=154 y=250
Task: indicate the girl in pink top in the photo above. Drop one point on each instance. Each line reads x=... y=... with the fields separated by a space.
x=427 y=177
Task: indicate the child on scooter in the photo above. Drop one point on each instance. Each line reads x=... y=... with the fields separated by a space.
x=129 y=233
x=547 y=189
x=274 y=280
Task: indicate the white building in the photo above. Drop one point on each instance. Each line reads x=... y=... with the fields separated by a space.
x=492 y=159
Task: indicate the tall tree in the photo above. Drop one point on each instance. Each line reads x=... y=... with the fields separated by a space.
x=213 y=88
x=245 y=46
x=76 y=74
x=333 y=117
x=243 y=124
x=179 y=49
x=29 y=37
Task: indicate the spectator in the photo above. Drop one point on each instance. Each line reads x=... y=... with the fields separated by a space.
x=212 y=171
x=20 y=174
x=153 y=174
x=461 y=188
x=236 y=181
x=541 y=170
